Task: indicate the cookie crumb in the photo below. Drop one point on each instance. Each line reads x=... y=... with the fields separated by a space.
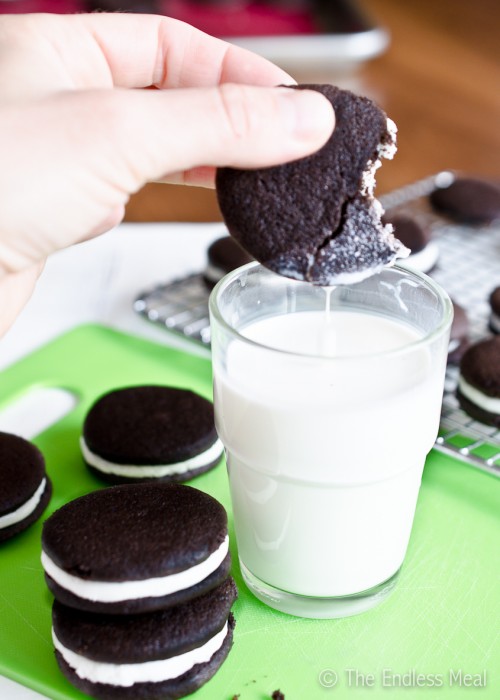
x=277 y=695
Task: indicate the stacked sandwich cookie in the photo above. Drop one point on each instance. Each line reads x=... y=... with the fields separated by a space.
x=140 y=574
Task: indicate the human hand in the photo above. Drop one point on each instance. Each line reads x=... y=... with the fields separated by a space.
x=77 y=138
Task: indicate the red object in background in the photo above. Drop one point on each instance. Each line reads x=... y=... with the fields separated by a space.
x=223 y=18
x=60 y=7
x=242 y=18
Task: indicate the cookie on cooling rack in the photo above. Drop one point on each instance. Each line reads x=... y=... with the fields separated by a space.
x=459 y=334
x=478 y=389
x=223 y=255
x=424 y=252
x=468 y=200
x=494 y=321
x=135 y=548
x=25 y=487
x=164 y=654
x=316 y=219
x=142 y=433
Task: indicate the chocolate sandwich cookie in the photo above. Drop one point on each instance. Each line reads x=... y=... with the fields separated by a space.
x=142 y=433
x=165 y=654
x=479 y=382
x=224 y=255
x=135 y=547
x=424 y=252
x=495 y=311
x=25 y=487
x=459 y=334
x=468 y=200
x=316 y=219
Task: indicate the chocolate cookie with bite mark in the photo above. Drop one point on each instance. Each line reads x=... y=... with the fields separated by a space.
x=165 y=654
x=26 y=488
x=145 y=433
x=316 y=219
x=479 y=382
x=468 y=200
x=135 y=547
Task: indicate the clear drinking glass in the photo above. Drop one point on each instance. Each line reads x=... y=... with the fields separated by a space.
x=326 y=417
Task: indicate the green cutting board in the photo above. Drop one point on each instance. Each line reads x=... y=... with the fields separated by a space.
x=441 y=621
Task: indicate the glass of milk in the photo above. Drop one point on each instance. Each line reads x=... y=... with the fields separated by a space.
x=327 y=402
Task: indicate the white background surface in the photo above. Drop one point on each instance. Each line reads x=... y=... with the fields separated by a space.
x=97 y=281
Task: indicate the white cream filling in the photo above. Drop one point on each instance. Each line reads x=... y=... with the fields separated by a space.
x=126 y=675
x=25 y=510
x=425 y=259
x=152 y=470
x=495 y=322
x=487 y=403
x=115 y=591
x=384 y=150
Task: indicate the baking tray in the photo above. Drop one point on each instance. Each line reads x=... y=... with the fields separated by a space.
x=442 y=618
x=338 y=34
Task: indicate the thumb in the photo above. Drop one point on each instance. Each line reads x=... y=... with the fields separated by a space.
x=80 y=154
x=154 y=133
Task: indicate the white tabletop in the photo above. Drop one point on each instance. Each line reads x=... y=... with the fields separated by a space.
x=97 y=281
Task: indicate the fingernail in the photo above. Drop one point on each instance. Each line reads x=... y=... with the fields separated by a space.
x=306 y=114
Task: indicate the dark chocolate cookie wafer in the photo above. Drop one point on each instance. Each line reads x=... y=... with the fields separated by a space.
x=142 y=433
x=469 y=200
x=316 y=219
x=495 y=311
x=136 y=547
x=459 y=334
x=165 y=654
x=25 y=487
x=479 y=381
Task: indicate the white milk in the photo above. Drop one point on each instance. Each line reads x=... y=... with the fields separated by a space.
x=325 y=455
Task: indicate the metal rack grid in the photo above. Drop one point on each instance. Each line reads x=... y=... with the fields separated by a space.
x=468 y=268
x=180 y=306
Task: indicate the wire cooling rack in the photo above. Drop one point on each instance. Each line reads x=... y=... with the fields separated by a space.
x=180 y=306
x=468 y=268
